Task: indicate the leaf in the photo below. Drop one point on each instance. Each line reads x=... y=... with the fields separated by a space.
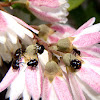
x=74 y=3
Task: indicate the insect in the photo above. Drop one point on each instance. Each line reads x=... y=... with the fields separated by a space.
x=32 y=63
x=75 y=51
x=15 y=64
x=76 y=64
x=40 y=48
x=17 y=55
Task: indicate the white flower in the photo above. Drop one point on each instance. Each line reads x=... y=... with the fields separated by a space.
x=11 y=30
x=49 y=10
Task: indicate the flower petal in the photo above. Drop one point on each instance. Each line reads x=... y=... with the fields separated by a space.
x=88 y=92
x=26 y=95
x=90 y=77
x=8 y=79
x=61 y=89
x=33 y=82
x=27 y=26
x=48 y=91
x=17 y=27
x=5 y=54
x=2 y=39
x=53 y=39
x=87 y=24
x=87 y=39
x=75 y=87
x=3 y=22
x=49 y=3
x=92 y=60
x=56 y=12
x=18 y=85
x=63 y=28
x=43 y=58
x=93 y=51
x=13 y=37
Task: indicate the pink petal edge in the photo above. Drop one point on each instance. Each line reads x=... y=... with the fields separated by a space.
x=31 y=80
x=85 y=25
x=87 y=39
x=63 y=29
x=47 y=3
x=3 y=22
x=92 y=60
x=75 y=87
x=8 y=79
x=61 y=89
x=90 y=77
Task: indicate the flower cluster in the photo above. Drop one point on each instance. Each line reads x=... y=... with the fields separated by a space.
x=63 y=66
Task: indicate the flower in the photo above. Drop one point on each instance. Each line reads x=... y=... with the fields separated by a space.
x=25 y=81
x=86 y=79
x=54 y=84
x=81 y=68
x=12 y=26
x=49 y=10
x=84 y=39
x=12 y=30
x=64 y=72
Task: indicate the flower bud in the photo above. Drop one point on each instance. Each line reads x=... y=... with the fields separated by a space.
x=31 y=49
x=51 y=70
x=64 y=45
x=67 y=58
x=52 y=67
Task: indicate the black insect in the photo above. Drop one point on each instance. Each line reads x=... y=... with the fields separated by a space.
x=15 y=64
x=32 y=63
x=40 y=48
x=75 y=51
x=76 y=64
x=18 y=53
x=16 y=58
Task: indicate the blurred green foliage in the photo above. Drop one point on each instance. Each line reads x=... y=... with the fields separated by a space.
x=74 y=4
x=84 y=12
x=23 y=8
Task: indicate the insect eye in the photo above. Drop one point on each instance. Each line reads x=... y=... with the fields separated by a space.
x=32 y=63
x=40 y=49
x=76 y=64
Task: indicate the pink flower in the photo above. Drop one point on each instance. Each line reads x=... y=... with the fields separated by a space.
x=49 y=10
x=84 y=82
x=11 y=27
x=85 y=38
x=73 y=75
x=11 y=30
x=25 y=82
x=54 y=85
